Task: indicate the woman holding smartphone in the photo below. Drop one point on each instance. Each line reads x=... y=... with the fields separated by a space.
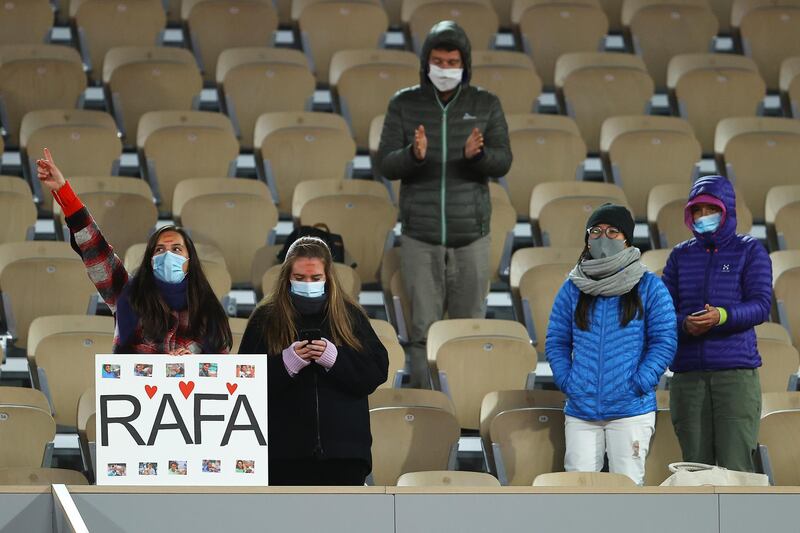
x=721 y=283
x=324 y=360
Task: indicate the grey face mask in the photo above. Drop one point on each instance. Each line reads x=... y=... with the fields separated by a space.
x=605 y=247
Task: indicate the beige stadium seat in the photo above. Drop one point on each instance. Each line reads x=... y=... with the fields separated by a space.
x=384 y=330
x=767 y=32
x=501 y=230
x=476 y=17
x=780 y=365
x=265 y=257
x=591 y=87
x=640 y=152
x=347 y=276
x=363 y=81
x=559 y=210
x=525 y=259
x=41 y=76
x=25 y=433
x=781 y=213
x=447 y=478
x=213 y=26
x=401 y=304
x=85 y=413
x=411 y=398
x=19 y=211
x=443 y=331
x=291 y=147
x=238 y=325
x=661 y=29
x=411 y=439
x=508 y=75
x=597 y=480
x=62 y=348
x=665 y=207
x=345 y=214
x=139 y=79
x=390 y=265
x=790 y=86
x=178 y=145
x=527 y=442
x=773 y=331
x=779 y=433
x=84 y=142
x=101 y=25
x=722 y=11
x=239 y=203
x=24 y=396
x=706 y=88
x=613 y=10
x=254 y=81
x=329 y=26
x=772 y=402
x=310 y=189
x=538 y=288
x=664 y=450
x=758 y=153
x=545 y=148
x=40 y=278
x=25 y=22
x=547 y=29
x=41 y=476
x=785 y=286
x=122 y=207
x=375 y=132
x=656 y=260
x=397 y=365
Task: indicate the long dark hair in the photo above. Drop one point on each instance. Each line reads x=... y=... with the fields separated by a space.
x=630 y=304
x=207 y=319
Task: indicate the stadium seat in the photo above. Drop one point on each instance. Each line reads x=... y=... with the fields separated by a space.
x=346 y=215
x=41 y=476
x=309 y=189
x=139 y=79
x=558 y=210
x=722 y=11
x=42 y=76
x=443 y=331
x=411 y=398
x=254 y=81
x=501 y=231
x=25 y=22
x=772 y=402
x=447 y=478
x=664 y=450
x=781 y=212
x=547 y=29
x=40 y=278
x=291 y=147
x=10 y=395
x=640 y=152
x=25 y=433
x=85 y=412
x=774 y=332
x=411 y=439
x=213 y=26
x=238 y=204
x=238 y=325
x=790 y=86
x=508 y=75
x=375 y=131
x=785 y=285
x=347 y=276
x=591 y=87
x=659 y=30
x=766 y=30
x=656 y=259
x=665 y=207
x=390 y=267
x=16 y=204
x=613 y=10
x=476 y=17
x=527 y=442
x=779 y=433
x=605 y=480
x=758 y=153
x=384 y=330
x=545 y=148
x=363 y=81
x=706 y=88
x=538 y=288
x=62 y=348
x=326 y=27
x=100 y=25
x=178 y=145
x=780 y=365
x=122 y=207
x=525 y=259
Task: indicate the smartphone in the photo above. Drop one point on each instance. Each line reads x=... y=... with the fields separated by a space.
x=700 y=312
x=309 y=335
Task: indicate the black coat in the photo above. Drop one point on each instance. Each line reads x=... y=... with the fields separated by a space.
x=318 y=413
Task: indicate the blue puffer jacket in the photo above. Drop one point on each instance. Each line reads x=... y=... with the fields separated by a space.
x=725 y=270
x=609 y=371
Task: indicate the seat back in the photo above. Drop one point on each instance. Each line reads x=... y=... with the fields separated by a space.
x=773 y=331
x=508 y=75
x=41 y=476
x=785 y=284
x=768 y=33
x=384 y=330
x=447 y=478
x=25 y=22
x=501 y=228
x=527 y=258
x=779 y=432
x=779 y=361
x=790 y=86
x=309 y=189
x=656 y=260
x=443 y=331
x=772 y=402
x=411 y=398
x=780 y=213
x=478 y=19
x=16 y=202
x=24 y=433
x=24 y=396
x=664 y=450
x=604 y=480
x=538 y=288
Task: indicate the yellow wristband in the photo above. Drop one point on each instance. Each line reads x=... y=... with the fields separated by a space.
x=723 y=315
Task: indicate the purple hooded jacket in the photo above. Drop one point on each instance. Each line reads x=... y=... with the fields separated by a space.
x=725 y=270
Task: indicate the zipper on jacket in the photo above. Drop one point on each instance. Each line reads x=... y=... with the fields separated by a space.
x=318 y=452
x=710 y=251
x=601 y=356
x=442 y=196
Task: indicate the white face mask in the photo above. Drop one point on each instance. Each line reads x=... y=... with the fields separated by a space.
x=445 y=79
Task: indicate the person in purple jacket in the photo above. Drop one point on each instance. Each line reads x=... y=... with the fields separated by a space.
x=721 y=284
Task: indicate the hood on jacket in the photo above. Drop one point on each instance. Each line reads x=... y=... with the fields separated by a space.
x=449 y=35
x=721 y=189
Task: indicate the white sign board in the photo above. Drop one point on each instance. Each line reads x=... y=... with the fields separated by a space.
x=191 y=420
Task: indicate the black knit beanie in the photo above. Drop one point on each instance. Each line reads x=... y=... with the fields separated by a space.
x=613 y=215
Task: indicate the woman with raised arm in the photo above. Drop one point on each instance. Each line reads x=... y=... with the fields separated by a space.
x=167 y=305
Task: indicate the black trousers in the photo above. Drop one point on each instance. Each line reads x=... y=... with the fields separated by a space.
x=317 y=471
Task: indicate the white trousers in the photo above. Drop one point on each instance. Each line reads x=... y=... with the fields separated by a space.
x=626 y=441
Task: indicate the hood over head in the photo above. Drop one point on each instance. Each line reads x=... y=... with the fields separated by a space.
x=717 y=190
x=450 y=36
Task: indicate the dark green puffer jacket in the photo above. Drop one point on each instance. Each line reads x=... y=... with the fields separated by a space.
x=444 y=199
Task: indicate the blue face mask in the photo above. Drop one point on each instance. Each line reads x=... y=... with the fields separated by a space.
x=168 y=267
x=708 y=223
x=309 y=289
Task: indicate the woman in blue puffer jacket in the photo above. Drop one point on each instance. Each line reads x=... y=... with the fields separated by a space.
x=611 y=336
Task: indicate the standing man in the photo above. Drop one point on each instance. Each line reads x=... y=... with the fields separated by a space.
x=444 y=139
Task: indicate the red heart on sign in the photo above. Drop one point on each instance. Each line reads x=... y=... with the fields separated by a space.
x=151 y=391
x=232 y=387
x=186 y=388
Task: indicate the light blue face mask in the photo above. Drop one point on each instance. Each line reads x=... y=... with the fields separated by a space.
x=708 y=223
x=309 y=289
x=168 y=267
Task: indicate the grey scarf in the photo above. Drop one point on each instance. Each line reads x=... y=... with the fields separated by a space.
x=610 y=276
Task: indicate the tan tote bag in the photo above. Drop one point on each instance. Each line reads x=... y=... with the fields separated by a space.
x=697 y=474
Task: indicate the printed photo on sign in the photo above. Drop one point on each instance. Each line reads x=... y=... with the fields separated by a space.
x=207 y=370
x=175 y=370
x=245 y=467
x=245 y=371
x=143 y=371
x=111 y=371
x=148 y=469
x=211 y=465
x=177 y=468
x=117 y=469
